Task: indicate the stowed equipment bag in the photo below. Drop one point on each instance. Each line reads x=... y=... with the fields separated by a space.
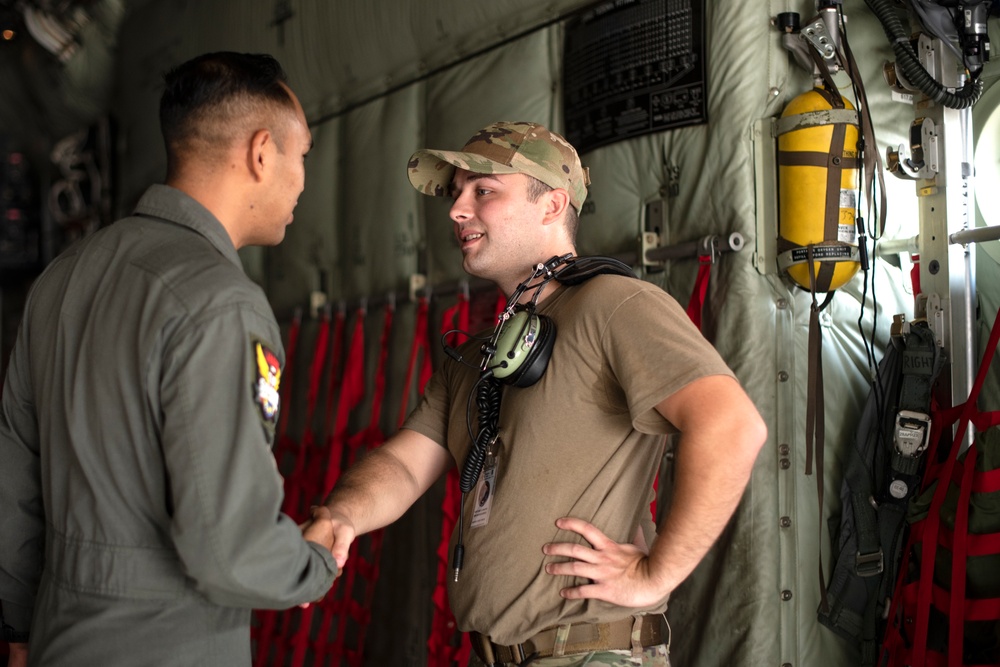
x=881 y=474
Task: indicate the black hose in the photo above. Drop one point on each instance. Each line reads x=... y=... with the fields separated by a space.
x=909 y=62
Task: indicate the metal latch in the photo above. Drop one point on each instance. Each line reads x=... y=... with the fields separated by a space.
x=912 y=433
x=869 y=565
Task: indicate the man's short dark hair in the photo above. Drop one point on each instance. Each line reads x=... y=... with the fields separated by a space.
x=213 y=98
x=536 y=189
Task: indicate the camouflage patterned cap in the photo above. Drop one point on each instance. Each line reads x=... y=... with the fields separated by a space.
x=505 y=148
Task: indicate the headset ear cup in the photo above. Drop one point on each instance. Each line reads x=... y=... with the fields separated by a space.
x=521 y=348
x=537 y=359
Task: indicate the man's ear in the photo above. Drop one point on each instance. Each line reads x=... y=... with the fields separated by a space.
x=259 y=152
x=556 y=203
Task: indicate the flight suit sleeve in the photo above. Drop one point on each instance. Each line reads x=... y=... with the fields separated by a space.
x=22 y=515
x=219 y=402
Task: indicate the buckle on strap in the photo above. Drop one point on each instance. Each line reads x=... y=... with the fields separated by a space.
x=497 y=654
x=581 y=638
x=869 y=565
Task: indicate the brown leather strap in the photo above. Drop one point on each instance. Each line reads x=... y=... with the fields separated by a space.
x=815 y=412
x=582 y=638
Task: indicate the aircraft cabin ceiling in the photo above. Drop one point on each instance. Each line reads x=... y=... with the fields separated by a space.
x=58 y=65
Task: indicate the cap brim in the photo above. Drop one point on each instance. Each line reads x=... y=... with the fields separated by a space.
x=430 y=171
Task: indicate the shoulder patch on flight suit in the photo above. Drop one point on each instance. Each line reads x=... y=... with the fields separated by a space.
x=267 y=383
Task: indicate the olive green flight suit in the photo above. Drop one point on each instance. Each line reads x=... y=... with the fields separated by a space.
x=139 y=497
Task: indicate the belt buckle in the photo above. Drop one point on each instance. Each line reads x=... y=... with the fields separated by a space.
x=518 y=653
x=483 y=647
x=494 y=655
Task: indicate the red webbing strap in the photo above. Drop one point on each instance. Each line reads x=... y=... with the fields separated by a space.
x=894 y=647
x=296 y=502
x=442 y=649
x=956 y=618
x=984 y=420
x=352 y=392
x=286 y=388
x=267 y=619
x=365 y=566
x=297 y=499
x=933 y=519
x=310 y=488
x=455 y=321
x=915 y=274
x=935 y=659
x=300 y=639
x=373 y=436
x=316 y=368
x=977 y=609
x=421 y=343
x=656 y=492
x=987 y=482
x=316 y=471
x=446 y=644
x=976 y=544
x=333 y=384
x=928 y=552
x=500 y=305
x=696 y=304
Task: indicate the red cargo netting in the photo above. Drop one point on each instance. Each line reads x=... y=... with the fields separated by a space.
x=446 y=645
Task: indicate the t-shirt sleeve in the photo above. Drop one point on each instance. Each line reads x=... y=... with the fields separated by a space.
x=430 y=417
x=653 y=349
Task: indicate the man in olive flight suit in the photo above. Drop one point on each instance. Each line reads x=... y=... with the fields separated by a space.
x=139 y=497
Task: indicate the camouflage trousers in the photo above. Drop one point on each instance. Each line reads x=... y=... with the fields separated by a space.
x=652 y=656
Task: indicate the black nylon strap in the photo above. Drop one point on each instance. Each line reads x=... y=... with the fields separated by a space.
x=581 y=269
x=921 y=364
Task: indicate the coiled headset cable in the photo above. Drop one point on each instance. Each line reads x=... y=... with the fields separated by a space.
x=488 y=393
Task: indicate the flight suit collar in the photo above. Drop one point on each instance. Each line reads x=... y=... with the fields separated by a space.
x=163 y=201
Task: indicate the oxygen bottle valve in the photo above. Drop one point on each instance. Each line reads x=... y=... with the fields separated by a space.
x=787 y=22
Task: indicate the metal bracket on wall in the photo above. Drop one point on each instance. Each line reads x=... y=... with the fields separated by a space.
x=652 y=235
x=418 y=286
x=712 y=246
x=317 y=302
x=653 y=255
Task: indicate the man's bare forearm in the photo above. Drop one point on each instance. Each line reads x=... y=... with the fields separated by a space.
x=702 y=505
x=715 y=456
x=385 y=483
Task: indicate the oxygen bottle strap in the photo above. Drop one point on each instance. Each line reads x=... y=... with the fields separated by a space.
x=815 y=414
x=832 y=92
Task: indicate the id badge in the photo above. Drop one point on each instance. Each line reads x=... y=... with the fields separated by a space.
x=485 y=491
